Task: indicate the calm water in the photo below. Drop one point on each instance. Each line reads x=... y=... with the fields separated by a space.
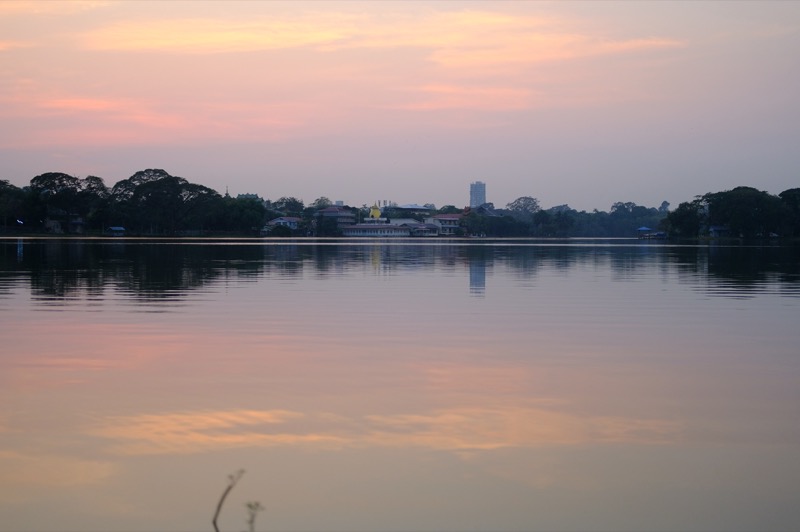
x=403 y=386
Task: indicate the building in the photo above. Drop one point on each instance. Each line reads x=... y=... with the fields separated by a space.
x=292 y=222
x=477 y=194
x=116 y=230
x=448 y=224
x=341 y=215
x=376 y=230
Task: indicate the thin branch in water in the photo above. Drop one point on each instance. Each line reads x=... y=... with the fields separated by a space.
x=232 y=480
x=253 y=508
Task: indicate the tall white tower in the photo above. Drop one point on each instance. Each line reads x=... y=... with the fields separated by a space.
x=477 y=194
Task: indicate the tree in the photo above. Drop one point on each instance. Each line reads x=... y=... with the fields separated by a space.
x=747 y=212
x=290 y=205
x=563 y=222
x=95 y=185
x=12 y=200
x=495 y=226
x=523 y=208
x=321 y=203
x=240 y=214
x=626 y=217
x=686 y=220
x=54 y=196
x=542 y=224
x=172 y=203
x=91 y=201
x=52 y=183
x=791 y=203
x=123 y=190
x=56 y=190
x=621 y=208
x=327 y=226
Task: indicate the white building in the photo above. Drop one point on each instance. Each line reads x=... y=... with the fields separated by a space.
x=477 y=194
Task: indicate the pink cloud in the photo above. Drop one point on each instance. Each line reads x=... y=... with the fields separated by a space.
x=305 y=73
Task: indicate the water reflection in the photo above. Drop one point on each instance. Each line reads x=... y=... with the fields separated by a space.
x=386 y=386
x=59 y=270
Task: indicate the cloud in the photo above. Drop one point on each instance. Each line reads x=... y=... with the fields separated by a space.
x=79 y=105
x=24 y=473
x=322 y=72
x=10 y=45
x=181 y=433
x=69 y=120
x=457 y=39
x=464 y=429
x=213 y=36
x=456 y=430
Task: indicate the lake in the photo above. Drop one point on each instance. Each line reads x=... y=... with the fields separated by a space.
x=420 y=385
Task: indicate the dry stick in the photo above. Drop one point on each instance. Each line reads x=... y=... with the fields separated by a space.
x=253 y=508
x=232 y=480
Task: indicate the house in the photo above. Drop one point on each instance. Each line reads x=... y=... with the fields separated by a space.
x=290 y=222
x=376 y=230
x=341 y=215
x=400 y=221
x=115 y=230
x=422 y=229
x=448 y=224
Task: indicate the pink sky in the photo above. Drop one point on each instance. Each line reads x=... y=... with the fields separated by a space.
x=579 y=103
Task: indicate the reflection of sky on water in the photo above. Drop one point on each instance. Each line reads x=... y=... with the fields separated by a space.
x=371 y=391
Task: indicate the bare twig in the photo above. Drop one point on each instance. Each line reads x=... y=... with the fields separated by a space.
x=232 y=480
x=253 y=508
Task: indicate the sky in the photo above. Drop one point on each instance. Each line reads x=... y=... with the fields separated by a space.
x=583 y=103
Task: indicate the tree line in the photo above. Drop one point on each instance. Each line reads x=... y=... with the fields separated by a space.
x=743 y=212
x=152 y=202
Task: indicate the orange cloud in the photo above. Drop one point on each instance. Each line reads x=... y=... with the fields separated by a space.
x=452 y=39
x=454 y=429
x=213 y=36
x=205 y=431
x=341 y=63
x=32 y=469
x=109 y=121
x=10 y=45
x=82 y=104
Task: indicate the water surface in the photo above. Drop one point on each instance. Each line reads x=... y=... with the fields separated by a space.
x=408 y=385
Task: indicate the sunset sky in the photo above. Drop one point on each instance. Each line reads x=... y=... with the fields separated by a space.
x=584 y=103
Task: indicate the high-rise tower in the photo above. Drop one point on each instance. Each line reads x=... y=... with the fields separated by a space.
x=477 y=194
